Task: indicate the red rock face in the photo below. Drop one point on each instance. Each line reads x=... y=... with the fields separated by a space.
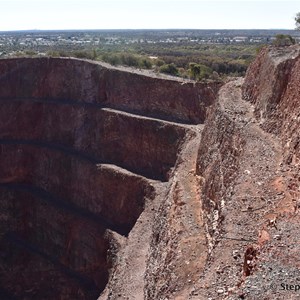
x=272 y=85
x=185 y=103
x=91 y=83
x=81 y=148
x=98 y=135
x=248 y=168
x=218 y=157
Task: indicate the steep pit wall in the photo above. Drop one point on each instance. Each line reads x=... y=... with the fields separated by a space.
x=85 y=150
x=188 y=227
x=99 y=135
x=44 y=242
x=184 y=103
x=81 y=81
x=272 y=85
x=221 y=146
x=98 y=191
x=63 y=205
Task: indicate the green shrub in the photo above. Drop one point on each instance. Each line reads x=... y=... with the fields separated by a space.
x=84 y=54
x=170 y=69
x=145 y=63
x=159 y=62
x=30 y=53
x=112 y=59
x=259 y=48
x=297 y=21
x=282 y=40
x=199 y=71
x=60 y=53
x=130 y=60
x=127 y=59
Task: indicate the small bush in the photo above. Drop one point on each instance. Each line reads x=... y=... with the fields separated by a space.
x=170 y=69
x=127 y=59
x=60 y=53
x=145 y=63
x=112 y=59
x=130 y=60
x=30 y=53
x=282 y=40
x=85 y=54
x=159 y=62
x=199 y=71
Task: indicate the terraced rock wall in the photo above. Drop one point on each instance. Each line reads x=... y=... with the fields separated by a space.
x=75 y=80
x=85 y=152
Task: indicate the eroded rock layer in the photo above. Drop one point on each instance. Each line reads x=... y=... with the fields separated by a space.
x=272 y=85
x=83 y=82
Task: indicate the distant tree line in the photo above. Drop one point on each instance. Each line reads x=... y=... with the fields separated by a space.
x=197 y=67
x=194 y=61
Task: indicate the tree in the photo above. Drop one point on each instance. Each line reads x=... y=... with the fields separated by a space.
x=297 y=20
x=195 y=70
x=169 y=69
x=283 y=40
x=199 y=71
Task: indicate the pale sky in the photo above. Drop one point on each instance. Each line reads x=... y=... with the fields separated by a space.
x=147 y=14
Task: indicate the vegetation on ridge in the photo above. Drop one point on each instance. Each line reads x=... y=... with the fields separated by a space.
x=198 y=62
x=282 y=40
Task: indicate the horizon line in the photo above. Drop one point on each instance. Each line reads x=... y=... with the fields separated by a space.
x=139 y=29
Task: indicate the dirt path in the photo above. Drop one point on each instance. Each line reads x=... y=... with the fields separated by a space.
x=187 y=219
x=174 y=263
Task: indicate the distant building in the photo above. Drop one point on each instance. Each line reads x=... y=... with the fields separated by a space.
x=240 y=39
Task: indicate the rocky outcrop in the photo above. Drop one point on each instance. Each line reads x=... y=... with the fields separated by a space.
x=272 y=85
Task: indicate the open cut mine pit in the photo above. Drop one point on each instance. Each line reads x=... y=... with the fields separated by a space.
x=118 y=184
x=84 y=150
